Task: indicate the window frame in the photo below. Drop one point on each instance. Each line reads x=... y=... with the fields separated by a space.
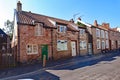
x=98 y=44
x=82 y=31
x=97 y=32
x=102 y=34
x=103 y=45
x=32 y=51
x=107 y=43
x=39 y=30
x=106 y=34
x=62 y=28
x=64 y=46
x=83 y=45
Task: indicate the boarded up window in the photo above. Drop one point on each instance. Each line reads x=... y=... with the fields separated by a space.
x=62 y=45
x=83 y=45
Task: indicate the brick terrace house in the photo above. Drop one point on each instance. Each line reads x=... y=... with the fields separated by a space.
x=114 y=39
x=36 y=35
x=85 y=37
x=100 y=37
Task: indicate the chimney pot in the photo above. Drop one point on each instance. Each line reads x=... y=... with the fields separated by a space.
x=72 y=20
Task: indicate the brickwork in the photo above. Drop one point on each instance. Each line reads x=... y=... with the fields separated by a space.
x=95 y=38
x=69 y=36
x=114 y=39
x=27 y=36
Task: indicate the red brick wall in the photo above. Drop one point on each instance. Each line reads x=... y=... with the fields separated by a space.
x=84 y=38
x=114 y=36
x=27 y=36
x=69 y=36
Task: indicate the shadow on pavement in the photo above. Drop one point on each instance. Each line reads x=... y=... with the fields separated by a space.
x=75 y=65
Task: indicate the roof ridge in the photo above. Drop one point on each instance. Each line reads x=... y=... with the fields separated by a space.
x=45 y=16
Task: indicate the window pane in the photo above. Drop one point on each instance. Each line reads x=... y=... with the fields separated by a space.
x=62 y=28
x=35 y=49
x=39 y=29
x=29 y=49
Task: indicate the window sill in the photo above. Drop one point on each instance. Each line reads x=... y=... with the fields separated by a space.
x=32 y=53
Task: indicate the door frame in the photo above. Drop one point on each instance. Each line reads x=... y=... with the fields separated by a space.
x=44 y=53
x=75 y=47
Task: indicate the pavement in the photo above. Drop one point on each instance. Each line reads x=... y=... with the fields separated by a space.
x=71 y=64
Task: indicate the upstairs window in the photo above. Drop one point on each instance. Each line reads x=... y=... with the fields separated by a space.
x=62 y=28
x=106 y=34
x=97 y=32
x=82 y=31
x=39 y=29
x=102 y=34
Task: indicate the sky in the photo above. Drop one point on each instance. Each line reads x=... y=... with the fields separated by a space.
x=89 y=10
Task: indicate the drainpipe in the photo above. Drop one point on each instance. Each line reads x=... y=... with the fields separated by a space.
x=52 y=42
x=18 y=48
x=79 y=42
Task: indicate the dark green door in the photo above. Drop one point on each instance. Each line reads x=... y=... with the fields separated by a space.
x=44 y=51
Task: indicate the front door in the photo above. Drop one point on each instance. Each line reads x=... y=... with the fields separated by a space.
x=44 y=49
x=73 y=46
x=90 y=48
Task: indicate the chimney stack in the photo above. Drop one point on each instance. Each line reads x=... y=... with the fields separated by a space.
x=106 y=25
x=72 y=20
x=19 y=6
x=95 y=23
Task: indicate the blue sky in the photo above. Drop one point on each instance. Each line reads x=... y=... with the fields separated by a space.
x=89 y=10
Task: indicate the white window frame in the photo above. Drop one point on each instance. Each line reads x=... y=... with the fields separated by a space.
x=39 y=29
x=102 y=34
x=107 y=43
x=62 y=45
x=103 y=44
x=83 y=45
x=82 y=31
x=98 y=43
x=32 y=49
x=62 y=28
x=97 y=32
x=106 y=34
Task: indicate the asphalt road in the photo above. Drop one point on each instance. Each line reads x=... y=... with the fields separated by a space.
x=105 y=68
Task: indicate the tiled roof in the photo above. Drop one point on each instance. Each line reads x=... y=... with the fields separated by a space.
x=28 y=18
